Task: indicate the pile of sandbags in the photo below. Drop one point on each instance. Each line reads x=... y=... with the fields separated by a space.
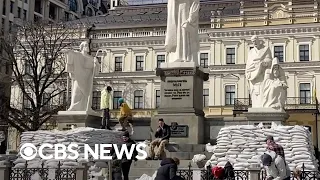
x=243 y=146
x=79 y=136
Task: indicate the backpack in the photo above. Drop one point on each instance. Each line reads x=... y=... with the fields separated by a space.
x=217 y=172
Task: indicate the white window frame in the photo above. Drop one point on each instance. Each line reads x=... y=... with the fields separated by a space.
x=235 y=53
x=298 y=51
x=284 y=50
x=144 y=61
x=311 y=89
x=143 y=98
x=114 y=62
x=155 y=97
x=156 y=58
x=209 y=55
x=224 y=92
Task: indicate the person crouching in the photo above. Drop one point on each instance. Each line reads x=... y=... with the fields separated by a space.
x=125 y=119
x=275 y=165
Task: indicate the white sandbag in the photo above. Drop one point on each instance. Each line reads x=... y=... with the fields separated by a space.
x=198 y=158
x=222 y=163
x=244 y=156
x=213 y=157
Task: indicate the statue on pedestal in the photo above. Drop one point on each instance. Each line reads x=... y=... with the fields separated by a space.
x=182 y=38
x=82 y=68
x=259 y=60
x=274 y=87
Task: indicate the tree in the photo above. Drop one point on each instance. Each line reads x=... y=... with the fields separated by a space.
x=34 y=52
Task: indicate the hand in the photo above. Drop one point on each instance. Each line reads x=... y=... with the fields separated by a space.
x=158 y=129
x=185 y=24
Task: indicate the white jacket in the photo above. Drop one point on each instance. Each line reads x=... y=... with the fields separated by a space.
x=279 y=169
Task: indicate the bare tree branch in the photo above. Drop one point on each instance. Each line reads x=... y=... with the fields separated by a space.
x=35 y=54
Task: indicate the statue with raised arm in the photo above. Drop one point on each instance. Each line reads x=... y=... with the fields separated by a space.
x=82 y=68
x=274 y=87
x=259 y=60
x=182 y=38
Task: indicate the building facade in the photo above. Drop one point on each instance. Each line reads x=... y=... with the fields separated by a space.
x=130 y=46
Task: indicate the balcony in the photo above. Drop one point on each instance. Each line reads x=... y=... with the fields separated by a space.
x=293 y=104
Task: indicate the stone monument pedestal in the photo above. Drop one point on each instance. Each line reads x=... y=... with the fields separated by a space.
x=266 y=115
x=181 y=103
x=78 y=118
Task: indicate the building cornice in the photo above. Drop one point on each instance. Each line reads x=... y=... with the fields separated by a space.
x=297 y=30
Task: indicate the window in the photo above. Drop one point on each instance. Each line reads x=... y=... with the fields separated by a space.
x=26 y=101
x=157 y=98
x=89 y=12
x=138 y=99
x=205 y=97
x=231 y=55
x=160 y=59
x=304 y=52
x=204 y=62
x=139 y=63
x=73 y=6
x=45 y=102
x=278 y=52
x=230 y=94
x=28 y=68
x=48 y=65
x=66 y=16
x=19 y=12
x=305 y=93
x=11 y=7
x=96 y=96
x=24 y=14
x=118 y=64
x=100 y=63
x=116 y=96
x=66 y=102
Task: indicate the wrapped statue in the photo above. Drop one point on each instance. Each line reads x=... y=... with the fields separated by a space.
x=82 y=68
x=182 y=38
x=275 y=87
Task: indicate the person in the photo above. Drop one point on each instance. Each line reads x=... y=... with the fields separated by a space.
x=126 y=163
x=82 y=68
x=229 y=171
x=168 y=169
x=259 y=60
x=182 y=38
x=125 y=119
x=105 y=106
x=276 y=167
x=116 y=169
x=162 y=136
x=274 y=87
x=273 y=146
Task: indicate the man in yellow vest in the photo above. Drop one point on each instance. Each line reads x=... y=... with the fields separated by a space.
x=105 y=106
x=125 y=115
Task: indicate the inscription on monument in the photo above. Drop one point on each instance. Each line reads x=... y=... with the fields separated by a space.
x=178 y=92
x=179 y=131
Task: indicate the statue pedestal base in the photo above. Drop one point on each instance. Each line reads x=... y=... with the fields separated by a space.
x=181 y=103
x=77 y=118
x=255 y=116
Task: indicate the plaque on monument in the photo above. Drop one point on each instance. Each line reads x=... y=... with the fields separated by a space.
x=180 y=131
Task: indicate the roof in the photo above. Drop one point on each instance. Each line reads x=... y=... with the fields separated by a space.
x=152 y=15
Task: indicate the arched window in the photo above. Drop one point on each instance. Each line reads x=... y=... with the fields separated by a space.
x=73 y=5
x=89 y=12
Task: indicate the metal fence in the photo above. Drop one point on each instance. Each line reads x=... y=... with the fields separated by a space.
x=187 y=174
x=58 y=173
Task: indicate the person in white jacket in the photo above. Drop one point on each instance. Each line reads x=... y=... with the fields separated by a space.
x=276 y=167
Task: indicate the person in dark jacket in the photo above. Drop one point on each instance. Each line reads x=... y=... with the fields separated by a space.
x=168 y=169
x=162 y=136
x=229 y=171
x=126 y=163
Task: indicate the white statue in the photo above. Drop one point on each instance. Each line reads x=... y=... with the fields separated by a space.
x=182 y=38
x=259 y=60
x=82 y=68
x=274 y=87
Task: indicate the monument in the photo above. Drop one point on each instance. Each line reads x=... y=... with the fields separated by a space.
x=267 y=85
x=82 y=68
x=181 y=104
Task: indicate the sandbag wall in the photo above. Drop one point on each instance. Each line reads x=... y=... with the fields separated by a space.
x=242 y=146
x=78 y=136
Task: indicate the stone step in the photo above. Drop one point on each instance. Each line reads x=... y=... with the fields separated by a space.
x=185 y=147
x=140 y=171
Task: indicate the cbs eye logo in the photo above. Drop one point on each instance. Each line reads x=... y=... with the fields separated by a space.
x=28 y=151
